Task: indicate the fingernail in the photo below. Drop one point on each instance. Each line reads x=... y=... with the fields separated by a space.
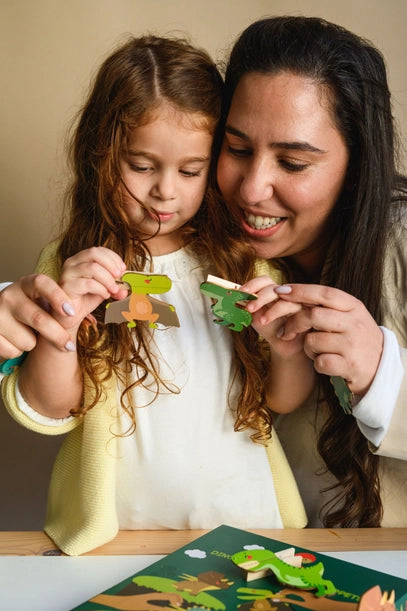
x=70 y=346
x=284 y=289
x=68 y=309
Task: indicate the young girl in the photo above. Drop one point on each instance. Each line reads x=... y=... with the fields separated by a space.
x=158 y=418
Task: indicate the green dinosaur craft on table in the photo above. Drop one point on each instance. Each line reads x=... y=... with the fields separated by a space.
x=228 y=297
x=306 y=578
x=139 y=305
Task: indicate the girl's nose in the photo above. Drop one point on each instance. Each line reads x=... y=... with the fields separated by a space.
x=164 y=187
x=257 y=183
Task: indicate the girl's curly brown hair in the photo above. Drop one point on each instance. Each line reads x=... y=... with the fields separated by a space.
x=129 y=87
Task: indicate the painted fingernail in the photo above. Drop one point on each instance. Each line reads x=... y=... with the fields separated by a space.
x=70 y=346
x=284 y=289
x=68 y=309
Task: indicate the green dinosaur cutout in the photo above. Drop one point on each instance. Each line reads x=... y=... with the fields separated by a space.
x=226 y=307
x=306 y=578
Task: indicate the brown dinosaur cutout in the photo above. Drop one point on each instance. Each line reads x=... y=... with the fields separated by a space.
x=138 y=602
x=164 y=313
x=211 y=580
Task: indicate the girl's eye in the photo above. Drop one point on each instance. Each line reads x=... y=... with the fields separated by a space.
x=189 y=173
x=139 y=168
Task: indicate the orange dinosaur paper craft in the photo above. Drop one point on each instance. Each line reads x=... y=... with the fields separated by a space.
x=140 y=305
x=376 y=600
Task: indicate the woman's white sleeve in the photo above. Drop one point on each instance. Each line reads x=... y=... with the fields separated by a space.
x=382 y=413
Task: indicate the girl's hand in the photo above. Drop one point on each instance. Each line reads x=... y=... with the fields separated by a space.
x=26 y=308
x=270 y=314
x=89 y=277
x=342 y=338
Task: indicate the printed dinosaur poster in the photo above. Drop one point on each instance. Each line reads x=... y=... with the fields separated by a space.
x=230 y=569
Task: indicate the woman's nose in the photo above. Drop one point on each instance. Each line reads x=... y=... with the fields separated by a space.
x=164 y=187
x=257 y=183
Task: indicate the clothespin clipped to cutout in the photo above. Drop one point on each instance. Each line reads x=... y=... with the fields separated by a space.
x=228 y=302
x=140 y=305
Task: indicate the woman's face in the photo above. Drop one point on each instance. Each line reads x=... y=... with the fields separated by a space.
x=282 y=165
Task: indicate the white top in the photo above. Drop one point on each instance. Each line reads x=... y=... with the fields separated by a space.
x=185 y=467
x=185 y=438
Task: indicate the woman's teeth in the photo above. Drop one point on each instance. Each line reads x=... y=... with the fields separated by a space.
x=262 y=222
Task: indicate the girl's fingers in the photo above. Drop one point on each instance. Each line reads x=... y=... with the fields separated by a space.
x=104 y=257
x=96 y=265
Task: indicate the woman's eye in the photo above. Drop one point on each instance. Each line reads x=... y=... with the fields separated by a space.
x=238 y=152
x=292 y=166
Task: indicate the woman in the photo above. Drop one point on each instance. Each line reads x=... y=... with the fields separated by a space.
x=307 y=169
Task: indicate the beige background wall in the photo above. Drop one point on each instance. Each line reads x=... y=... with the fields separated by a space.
x=48 y=50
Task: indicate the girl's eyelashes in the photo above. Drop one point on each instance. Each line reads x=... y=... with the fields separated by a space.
x=139 y=168
x=189 y=173
x=144 y=169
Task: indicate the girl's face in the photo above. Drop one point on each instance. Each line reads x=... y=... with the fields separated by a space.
x=166 y=168
x=282 y=165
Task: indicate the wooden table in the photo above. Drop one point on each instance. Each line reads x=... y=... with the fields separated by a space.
x=150 y=542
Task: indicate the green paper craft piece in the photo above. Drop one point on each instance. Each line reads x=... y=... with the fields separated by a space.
x=227 y=298
x=306 y=578
x=344 y=394
x=7 y=367
x=139 y=305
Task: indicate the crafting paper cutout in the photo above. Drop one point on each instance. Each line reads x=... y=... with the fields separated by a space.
x=139 y=305
x=228 y=301
x=306 y=578
x=375 y=600
x=194 y=578
x=7 y=367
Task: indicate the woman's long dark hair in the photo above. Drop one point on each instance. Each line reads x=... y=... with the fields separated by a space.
x=354 y=73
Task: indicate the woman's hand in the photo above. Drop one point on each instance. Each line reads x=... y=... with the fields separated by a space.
x=291 y=376
x=26 y=308
x=342 y=338
x=270 y=314
x=90 y=277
